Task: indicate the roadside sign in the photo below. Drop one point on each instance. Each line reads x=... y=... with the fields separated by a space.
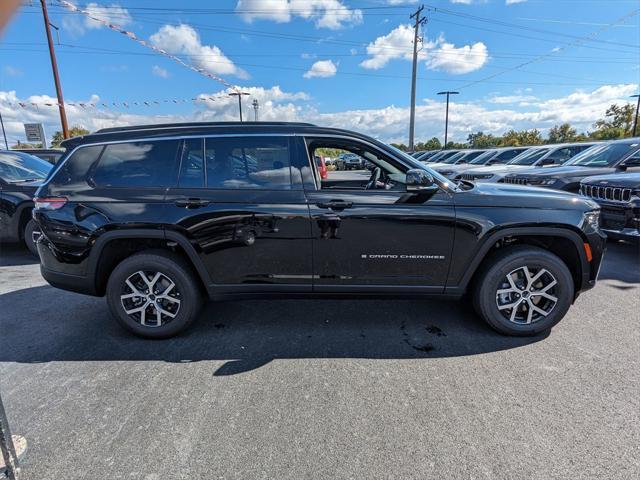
x=35 y=133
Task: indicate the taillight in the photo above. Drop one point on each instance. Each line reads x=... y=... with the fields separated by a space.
x=49 y=203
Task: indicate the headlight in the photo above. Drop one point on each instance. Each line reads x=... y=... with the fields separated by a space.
x=592 y=219
x=445 y=172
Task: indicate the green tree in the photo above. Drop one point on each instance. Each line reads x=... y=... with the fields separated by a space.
x=400 y=146
x=617 y=123
x=482 y=140
x=513 y=138
x=75 y=131
x=432 y=144
x=563 y=133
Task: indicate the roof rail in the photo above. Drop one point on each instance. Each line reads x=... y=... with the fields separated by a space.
x=197 y=124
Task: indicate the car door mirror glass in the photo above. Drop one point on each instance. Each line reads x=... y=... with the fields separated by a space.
x=420 y=181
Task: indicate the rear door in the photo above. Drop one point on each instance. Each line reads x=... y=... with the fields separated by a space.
x=239 y=201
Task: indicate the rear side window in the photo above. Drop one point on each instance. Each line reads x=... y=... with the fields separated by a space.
x=248 y=163
x=138 y=164
x=74 y=170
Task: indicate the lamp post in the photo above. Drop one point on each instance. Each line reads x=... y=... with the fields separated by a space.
x=4 y=134
x=446 y=118
x=256 y=106
x=635 y=120
x=239 y=95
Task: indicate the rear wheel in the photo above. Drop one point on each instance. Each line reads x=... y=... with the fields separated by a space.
x=154 y=295
x=31 y=235
x=523 y=291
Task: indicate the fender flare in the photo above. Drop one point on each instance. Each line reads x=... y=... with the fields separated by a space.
x=151 y=233
x=492 y=238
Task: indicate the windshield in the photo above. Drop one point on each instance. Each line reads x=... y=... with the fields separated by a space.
x=454 y=158
x=602 y=155
x=484 y=158
x=529 y=157
x=22 y=167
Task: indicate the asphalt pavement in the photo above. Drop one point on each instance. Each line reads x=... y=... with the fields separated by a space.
x=326 y=389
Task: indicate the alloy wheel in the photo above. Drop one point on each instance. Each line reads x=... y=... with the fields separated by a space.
x=527 y=295
x=150 y=298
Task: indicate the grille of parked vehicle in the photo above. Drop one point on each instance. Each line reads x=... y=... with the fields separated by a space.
x=516 y=180
x=614 y=194
x=476 y=176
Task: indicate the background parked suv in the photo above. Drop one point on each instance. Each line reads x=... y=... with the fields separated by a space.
x=156 y=217
x=619 y=199
x=20 y=176
x=613 y=157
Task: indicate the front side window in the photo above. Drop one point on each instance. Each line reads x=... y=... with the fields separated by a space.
x=150 y=163
x=248 y=163
x=22 y=167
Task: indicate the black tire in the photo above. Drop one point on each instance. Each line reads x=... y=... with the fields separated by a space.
x=31 y=230
x=173 y=269
x=493 y=277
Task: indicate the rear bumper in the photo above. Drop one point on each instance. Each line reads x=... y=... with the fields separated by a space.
x=72 y=283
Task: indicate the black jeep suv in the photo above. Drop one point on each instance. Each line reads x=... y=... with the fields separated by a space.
x=157 y=217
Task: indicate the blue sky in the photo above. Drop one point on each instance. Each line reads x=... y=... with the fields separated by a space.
x=522 y=64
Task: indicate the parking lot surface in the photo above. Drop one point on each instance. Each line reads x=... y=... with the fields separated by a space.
x=322 y=388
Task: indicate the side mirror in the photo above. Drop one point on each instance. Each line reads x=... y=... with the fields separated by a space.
x=631 y=162
x=550 y=161
x=420 y=181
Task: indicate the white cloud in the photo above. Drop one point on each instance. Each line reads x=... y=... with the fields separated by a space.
x=438 y=54
x=322 y=68
x=183 y=39
x=10 y=71
x=511 y=99
x=580 y=108
x=78 y=23
x=446 y=57
x=159 y=71
x=331 y=14
x=513 y=2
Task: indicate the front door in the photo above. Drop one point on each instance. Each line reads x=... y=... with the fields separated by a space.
x=368 y=233
x=239 y=207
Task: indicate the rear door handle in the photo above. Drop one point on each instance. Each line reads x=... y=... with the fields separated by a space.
x=191 y=202
x=335 y=204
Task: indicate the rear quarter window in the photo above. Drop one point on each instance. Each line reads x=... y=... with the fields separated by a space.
x=74 y=170
x=138 y=164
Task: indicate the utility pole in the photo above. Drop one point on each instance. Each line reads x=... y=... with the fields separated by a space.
x=635 y=120
x=54 y=66
x=446 y=118
x=239 y=95
x=4 y=134
x=256 y=106
x=416 y=29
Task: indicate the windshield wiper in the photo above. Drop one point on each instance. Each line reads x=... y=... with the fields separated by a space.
x=25 y=180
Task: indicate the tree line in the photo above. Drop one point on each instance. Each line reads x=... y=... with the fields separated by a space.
x=617 y=123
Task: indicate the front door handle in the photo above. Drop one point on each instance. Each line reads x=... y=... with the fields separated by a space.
x=335 y=204
x=191 y=202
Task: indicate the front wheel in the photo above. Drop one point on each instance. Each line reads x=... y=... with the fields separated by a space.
x=523 y=291
x=154 y=295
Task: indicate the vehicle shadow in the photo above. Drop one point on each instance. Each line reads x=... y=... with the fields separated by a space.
x=43 y=324
x=15 y=254
x=621 y=263
x=245 y=334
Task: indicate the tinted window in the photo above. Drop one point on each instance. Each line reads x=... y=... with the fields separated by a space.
x=483 y=158
x=192 y=164
x=603 y=155
x=74 y=170
x=529 y=157
x=507 y=155
x=138 y=164
x=248 y=162
x=22 y=167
